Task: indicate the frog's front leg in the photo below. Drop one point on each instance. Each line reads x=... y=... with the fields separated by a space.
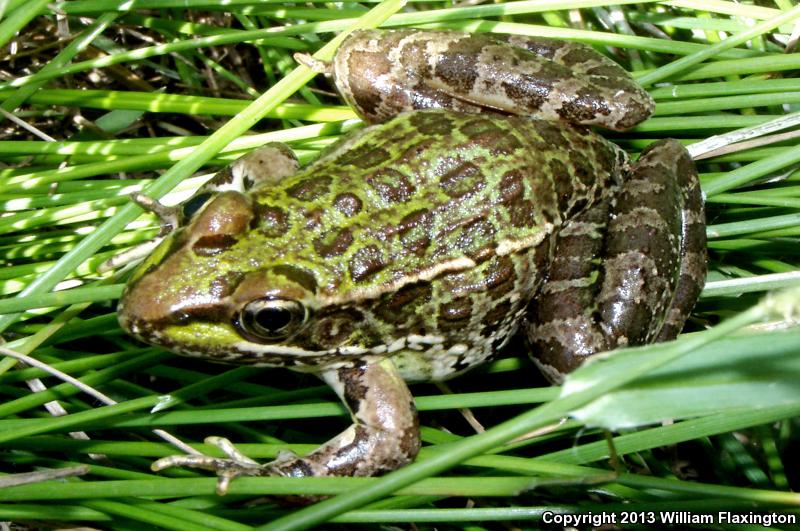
x=384 y=434
x=652 y=259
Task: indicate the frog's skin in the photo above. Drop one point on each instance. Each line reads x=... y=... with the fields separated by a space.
x=413 y=249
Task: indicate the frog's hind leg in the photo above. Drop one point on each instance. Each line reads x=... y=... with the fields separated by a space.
x=385 y=430
x=384 y=434
x=652 y=265
x=541 y=78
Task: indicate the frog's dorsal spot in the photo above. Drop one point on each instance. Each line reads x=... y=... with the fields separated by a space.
x=335 y=244
x=364 y=156
x=462 y=179
x=271 y=221
x=391 y=185
x=348 y=204
x=213 y=244
x=431 y=123
x=298 y=275
x=366 y=262
x=310 y=188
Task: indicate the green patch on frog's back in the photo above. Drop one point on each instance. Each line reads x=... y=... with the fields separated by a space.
x=425 y=194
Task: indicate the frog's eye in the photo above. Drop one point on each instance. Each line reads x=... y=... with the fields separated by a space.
x=194 y=204
x=272 y=319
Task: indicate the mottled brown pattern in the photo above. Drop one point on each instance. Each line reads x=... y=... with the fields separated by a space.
x=348 y=204
x=298 y=275
x=311 y=188
x=455 y=315
x=366 y=262
x=429 y=125
x=213 y=244
x=402 y=305
x=272 y=221
x=334 y=244
x=391 y=185
x=462 y=179
x=364 y=156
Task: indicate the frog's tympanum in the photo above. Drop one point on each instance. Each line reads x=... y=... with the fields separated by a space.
x=479 y=204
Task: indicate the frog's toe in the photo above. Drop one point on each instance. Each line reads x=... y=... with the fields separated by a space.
x=227 y=468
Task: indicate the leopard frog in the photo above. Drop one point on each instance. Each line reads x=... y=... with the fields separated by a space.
x=478 y=203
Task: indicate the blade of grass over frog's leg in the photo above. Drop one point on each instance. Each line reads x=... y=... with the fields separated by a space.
x=687 y=62
x=736 y=286
x=723 y=230
x=724 y=88
x=210 y=147
x=19 y=18
x=583 y=386
x=77 y=44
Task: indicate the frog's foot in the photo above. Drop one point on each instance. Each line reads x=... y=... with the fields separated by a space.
x=320 y=67
x=227 y=469
x=384 y=435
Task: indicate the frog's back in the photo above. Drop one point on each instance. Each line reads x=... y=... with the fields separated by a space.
x=427 y=188
x=434 y=224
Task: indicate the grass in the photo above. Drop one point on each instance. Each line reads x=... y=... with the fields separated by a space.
x=159 y=97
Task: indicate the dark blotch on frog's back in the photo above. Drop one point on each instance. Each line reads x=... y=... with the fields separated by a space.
x=334 y=244
x=431 y=123
x=310 y=188
x=391 y=185
x=271 y=221
x=348 y=204
x=413 y=231
x=500 y=277
x=213 y=244
x=521 y=211
x=364 y=156
x=366 y=262
x=562 y=181
x=494 y=318
x=298 y=275
x=462 y=179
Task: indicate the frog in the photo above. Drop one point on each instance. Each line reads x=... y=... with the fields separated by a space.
x=476 y=202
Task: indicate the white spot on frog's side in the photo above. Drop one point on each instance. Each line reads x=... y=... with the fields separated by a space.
x=505 y=247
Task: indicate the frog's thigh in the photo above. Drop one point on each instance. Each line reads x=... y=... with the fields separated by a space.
x=655 y=254
x=384 y=434
x=268 y=164
x=694 y=254
x=652 y=267
x=563 y=328
x=565 y=81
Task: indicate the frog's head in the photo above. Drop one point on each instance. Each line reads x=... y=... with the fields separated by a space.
x=218 y=288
